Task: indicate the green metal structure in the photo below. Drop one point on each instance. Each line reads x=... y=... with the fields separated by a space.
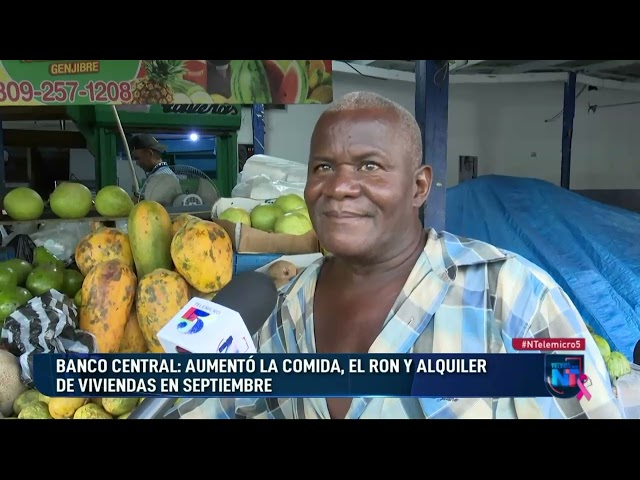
x=99 y=126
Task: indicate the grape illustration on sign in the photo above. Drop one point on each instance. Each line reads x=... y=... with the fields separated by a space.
x=166 y=82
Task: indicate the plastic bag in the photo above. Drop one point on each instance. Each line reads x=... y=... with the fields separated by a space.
x=23 y=247
x=23 y=228
x=628 y=392
x=262 y=187
x=61 y=238
x=47 y=324
x=264 y=177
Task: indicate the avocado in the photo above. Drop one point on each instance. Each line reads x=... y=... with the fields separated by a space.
x=9 y=302
x=44 y=278
x=42 y=256
x=8 y=278
x=72 y=282
x=21 y=267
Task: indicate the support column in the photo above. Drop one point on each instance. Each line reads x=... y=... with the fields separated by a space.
x=257 y=122
x=432 y=114
x=568 y=113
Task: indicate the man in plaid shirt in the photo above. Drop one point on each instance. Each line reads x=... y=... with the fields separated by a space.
x=392 y=286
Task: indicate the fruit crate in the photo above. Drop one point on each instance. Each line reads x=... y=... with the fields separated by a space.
x=243 y=262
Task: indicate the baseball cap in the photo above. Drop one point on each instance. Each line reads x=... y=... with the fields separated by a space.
x=146 y=141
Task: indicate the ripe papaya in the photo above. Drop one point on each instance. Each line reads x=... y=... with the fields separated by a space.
x=160 y=296
x=101 y=245
x=108 y=293
x=193 y=293
x=180 y=221
x=202 y=253
x=149 y=229
x=133 y=340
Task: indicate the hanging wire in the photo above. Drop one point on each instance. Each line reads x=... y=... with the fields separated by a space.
x=359 y=72
x=444 y=70
x=593 y=108
x=559 y=114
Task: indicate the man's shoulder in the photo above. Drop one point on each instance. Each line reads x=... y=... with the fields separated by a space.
x=468 y=253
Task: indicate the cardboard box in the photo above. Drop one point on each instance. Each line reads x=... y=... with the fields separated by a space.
x=202 y=326
x=251 y=240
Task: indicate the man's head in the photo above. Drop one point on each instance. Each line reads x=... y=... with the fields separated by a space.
x=145 y=151
x=366 y=182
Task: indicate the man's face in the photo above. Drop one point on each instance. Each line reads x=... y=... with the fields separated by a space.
x=144 y=158
x=362 y=188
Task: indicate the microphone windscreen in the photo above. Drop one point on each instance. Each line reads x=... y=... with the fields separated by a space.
x=253 y=295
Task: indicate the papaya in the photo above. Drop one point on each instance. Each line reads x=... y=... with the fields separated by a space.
x=196 y=294
x=159 y=297
x=133 y=341
x=100 y=245
x=149 y=229
x=202 y=253
x=108 y=293
x=180 y=221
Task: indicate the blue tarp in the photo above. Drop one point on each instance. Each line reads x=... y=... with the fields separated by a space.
x=589 y=248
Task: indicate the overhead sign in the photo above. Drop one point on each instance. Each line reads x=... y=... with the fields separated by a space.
x=166 y=82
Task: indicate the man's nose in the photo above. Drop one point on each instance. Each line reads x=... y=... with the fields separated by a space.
x=342 y=183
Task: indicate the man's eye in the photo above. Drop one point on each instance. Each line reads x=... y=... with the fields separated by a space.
x=370 y=166
x=322 y=168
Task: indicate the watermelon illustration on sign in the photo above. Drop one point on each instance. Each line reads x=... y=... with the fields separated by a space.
x=288 y=80
x=281 y=81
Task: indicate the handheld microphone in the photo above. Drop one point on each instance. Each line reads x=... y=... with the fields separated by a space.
x=251 y=295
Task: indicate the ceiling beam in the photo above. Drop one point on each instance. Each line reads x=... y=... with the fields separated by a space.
x=459 y=64
x=386 y=74
x=608 y=65
x=515 y=78
x=389 y=74
x=530 y=66
x=375 y=72
x=608 y=84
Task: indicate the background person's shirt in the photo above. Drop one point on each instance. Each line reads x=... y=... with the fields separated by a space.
x=462 y=296
x=161 y=185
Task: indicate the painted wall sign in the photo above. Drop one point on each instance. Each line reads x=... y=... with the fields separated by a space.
x=152 y=82
x=202 y=109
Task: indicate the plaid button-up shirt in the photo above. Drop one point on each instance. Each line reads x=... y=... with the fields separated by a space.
x=462 y=296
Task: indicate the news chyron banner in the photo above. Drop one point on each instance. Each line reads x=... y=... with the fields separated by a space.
x=150 y=82
x=259 y=375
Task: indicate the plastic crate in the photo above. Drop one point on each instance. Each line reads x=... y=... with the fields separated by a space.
x=243 y=262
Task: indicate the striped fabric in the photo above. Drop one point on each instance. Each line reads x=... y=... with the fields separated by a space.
x=463 y=296
x=47 y=324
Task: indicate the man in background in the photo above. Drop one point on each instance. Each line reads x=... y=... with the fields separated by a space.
x=162 y=184
x=391 y=285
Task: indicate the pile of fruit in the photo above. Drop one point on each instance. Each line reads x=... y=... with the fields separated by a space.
x=17 y=401
x=287 y=214
x=70 y=200
x=617 y=363
x=127 y=287
x=20 y=281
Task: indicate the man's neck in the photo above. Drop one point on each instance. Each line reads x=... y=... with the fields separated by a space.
x=399 y=264
x=155 y=165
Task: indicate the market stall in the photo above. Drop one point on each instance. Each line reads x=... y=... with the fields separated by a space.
x=89 y=270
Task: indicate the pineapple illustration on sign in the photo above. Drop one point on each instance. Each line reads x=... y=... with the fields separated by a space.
x=158 y=85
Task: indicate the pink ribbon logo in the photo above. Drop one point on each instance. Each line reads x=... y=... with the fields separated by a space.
x=582 y=380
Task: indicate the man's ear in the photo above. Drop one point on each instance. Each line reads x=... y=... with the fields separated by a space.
x=422 y=185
